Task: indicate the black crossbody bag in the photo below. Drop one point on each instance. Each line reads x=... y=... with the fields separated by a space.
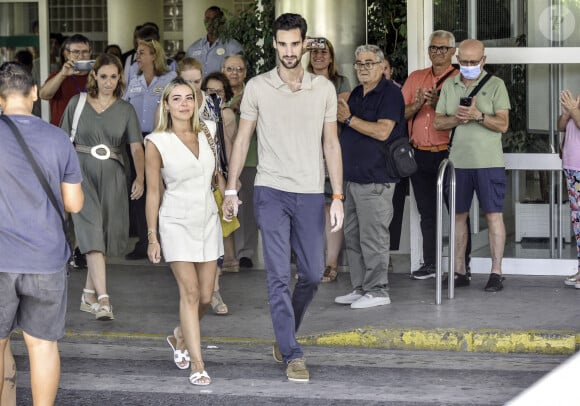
x=35 y=167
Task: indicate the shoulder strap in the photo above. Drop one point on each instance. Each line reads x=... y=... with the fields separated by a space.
x=211 y=143
x=77 y=115
x=35 y=167
x=481 y=83
x=444 y=77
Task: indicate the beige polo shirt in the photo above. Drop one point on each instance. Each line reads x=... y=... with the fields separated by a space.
x=289 y=127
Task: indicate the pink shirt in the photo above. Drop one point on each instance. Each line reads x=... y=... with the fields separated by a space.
x=571 y=153
x=421 y=130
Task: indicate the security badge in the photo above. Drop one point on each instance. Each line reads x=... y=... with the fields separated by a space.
x=158 y=90
x=220 y=51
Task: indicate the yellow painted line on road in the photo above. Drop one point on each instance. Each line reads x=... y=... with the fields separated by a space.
x=479 y=340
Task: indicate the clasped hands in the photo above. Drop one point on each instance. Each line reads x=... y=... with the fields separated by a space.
x=426 y=96
x=230 y=207
x=568 y=102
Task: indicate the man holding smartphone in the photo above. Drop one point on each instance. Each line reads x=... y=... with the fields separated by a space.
x=477 y=152
x=61 y=86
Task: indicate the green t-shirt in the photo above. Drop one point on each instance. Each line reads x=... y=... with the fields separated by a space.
x=475 y=146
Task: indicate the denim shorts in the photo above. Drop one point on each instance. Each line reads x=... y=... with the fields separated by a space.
x=489 y=185
x=36 y=303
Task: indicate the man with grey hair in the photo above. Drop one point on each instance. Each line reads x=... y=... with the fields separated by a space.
x=421 y=93
x=373 y=116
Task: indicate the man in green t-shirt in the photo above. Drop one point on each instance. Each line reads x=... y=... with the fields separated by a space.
x=476 y=152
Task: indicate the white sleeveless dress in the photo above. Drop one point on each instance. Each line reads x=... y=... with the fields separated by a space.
x=189 y=224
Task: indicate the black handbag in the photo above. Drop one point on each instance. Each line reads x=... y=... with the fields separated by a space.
x=400 y=157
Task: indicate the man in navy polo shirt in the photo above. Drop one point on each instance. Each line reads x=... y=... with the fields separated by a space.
x=375 y=113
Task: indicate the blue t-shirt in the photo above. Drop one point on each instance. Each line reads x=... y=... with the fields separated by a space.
x=363 y=157
x=213 y=56
x=31 y=235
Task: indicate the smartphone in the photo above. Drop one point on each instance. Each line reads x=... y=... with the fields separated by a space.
x=316 y=43
x=465 y=101
x=84 y=66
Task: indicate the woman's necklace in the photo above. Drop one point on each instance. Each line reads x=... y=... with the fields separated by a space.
x=104 y=107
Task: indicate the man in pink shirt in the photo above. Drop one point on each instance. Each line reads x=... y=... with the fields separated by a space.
x=421 y=93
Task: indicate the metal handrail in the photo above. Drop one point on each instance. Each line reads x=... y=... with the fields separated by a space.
x=445 y=164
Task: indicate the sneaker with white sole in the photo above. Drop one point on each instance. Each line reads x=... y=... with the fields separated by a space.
x=349 y=298
x=368 y=300
x=572 y=280
x=296 y=371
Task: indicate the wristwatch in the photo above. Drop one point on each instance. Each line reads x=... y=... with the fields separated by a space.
x=347 y=121
x=336 y=196
x=480 y=120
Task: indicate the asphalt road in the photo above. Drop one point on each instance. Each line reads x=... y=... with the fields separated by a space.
x=141 y=372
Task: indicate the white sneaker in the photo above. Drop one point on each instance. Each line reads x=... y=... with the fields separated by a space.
x=369 y=300
x=572 y=279
x=348 y=299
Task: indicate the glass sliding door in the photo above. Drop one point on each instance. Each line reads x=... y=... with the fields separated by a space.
x=532 y=46
x=24 y=36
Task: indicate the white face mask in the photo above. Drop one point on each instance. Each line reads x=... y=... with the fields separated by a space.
x=470 y=72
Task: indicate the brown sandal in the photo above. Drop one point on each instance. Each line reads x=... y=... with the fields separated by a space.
x=330 y=274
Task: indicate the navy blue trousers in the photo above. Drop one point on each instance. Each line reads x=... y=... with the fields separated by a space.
x=290 y=222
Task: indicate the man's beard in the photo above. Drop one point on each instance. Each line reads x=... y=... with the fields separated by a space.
x=295 y=64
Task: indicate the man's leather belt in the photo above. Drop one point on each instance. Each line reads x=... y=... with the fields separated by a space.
x=432 y=148
x=102 y=152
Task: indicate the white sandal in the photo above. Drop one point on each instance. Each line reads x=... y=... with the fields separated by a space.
x=179 y=356
x=104 y=312
x=86 y=306
x=196 y=377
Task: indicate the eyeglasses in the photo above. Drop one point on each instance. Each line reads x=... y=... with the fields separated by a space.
x=470 y=63
x=366 y=65
x=439 y=50
x=232 y=69
x=78 y=52
x=216 y=91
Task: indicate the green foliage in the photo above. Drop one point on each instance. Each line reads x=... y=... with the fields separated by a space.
x=252 y=27
x=387 y=28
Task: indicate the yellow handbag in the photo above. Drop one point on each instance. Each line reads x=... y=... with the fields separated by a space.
x=219 y=186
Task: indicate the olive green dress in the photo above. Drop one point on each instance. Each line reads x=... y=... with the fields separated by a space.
x=103 y=223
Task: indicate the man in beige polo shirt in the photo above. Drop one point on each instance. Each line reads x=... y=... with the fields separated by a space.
x=294 y=113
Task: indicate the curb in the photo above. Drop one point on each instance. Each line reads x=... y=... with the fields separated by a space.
x=561 y=342
x=554 y=342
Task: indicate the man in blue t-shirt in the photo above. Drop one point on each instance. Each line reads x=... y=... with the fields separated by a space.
x=34 y=247
x=374 y=113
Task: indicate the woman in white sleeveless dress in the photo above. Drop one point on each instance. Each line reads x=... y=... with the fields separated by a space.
x=178 y=154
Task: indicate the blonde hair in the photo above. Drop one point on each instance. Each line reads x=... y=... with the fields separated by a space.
x=189 y=63
x=159 y=63
x=165 y=122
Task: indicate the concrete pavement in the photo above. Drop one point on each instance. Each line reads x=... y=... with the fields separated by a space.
x=532 y=313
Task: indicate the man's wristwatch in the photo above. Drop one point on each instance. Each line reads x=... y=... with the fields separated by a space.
x=347 y=121
x=336 y=196
x=480 y=120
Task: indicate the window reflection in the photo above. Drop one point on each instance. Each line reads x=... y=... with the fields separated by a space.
x=509 y=23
